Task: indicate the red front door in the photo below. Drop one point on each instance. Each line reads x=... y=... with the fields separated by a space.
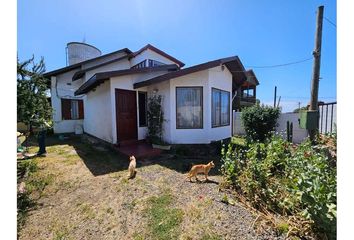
x=126 y=115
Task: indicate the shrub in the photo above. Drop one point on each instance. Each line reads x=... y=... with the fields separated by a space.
x=259 y=121
x=155 y=119
x=272 y=175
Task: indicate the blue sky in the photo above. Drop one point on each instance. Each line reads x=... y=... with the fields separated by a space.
x=261 y=33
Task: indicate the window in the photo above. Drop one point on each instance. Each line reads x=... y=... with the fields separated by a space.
x=72 y=109
x=148 y=63
x=220 y=108
x=248 y=92
x=142 y=99
x=142 y=64
x=189 y=108
x=154 y=63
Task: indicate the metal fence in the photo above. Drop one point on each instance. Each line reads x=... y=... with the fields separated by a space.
x=328 y=117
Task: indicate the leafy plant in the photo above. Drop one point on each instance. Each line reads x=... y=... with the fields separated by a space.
x=155 y=119
x=299 y=182
x=259 y=121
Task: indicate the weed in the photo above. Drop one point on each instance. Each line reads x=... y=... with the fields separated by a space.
x=290 y=181
x=211 y=236
x=164 y=220
x=38 y=182
x=110 y=210
x=130 y=205
x=138 y=236
x=87 y=211
x=282 y=227
x=25 y=169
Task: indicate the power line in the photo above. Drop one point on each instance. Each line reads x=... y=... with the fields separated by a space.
x=291 y=97
x=330 y=22
x=282 y=65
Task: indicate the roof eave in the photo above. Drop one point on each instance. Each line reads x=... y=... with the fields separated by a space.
x=192 y=69
x=78 y=65
x=99 y=78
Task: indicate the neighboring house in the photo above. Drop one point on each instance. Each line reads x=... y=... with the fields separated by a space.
x=106 y=95
x=246 y=93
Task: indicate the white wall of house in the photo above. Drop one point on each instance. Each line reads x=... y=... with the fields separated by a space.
x=126 y=83
x=115 y=66
x=149 y=54
x=97 y=113
x=104 y=59
x=208 y=79
x=60 y=89
x=199 y=79
x=220 y=78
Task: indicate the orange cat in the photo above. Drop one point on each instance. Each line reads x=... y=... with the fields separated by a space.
x=132 y=166
x=201 y=168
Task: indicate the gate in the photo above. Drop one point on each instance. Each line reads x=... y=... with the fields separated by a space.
x=328 y=117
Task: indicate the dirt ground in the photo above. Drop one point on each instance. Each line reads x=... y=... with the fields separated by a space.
x=87 y=196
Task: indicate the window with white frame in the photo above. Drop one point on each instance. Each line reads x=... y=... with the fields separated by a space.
x=189 y=107
x=220 y=108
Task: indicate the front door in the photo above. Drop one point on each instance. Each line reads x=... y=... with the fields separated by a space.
x=126 y=115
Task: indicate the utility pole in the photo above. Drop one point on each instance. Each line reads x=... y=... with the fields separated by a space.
x=316 y=66
x=275 y=95
x=278 y=101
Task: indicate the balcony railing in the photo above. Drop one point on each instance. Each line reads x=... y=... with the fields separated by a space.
x=247 y=98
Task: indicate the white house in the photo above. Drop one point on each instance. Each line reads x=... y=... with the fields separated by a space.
x=106 y=95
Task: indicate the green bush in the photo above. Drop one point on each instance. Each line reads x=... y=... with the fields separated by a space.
x=274 y=176
x=259 y=121
x=155 y=119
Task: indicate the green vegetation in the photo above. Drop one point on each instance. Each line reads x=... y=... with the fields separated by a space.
x=238 y=140
x=292 y=181
x=155 y=119
x=164 y=220
x=33 y=107
x=25 y=169
x=259 y=121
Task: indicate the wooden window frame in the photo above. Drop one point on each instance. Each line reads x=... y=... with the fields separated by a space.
x=66 y=109
x=202 y=109
x=212 y=108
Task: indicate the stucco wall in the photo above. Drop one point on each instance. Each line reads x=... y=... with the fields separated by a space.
x=63 y=90
x=299 y=134
x=220 y=78
x=115 y=66
x=126 y=83
x=98 y=121
x=148 y=54
x=104 y=59
x=208 y=79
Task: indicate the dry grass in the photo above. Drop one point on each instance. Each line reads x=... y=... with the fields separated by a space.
x=83 y=193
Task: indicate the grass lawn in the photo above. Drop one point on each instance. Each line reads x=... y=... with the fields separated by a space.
x=81 y=191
